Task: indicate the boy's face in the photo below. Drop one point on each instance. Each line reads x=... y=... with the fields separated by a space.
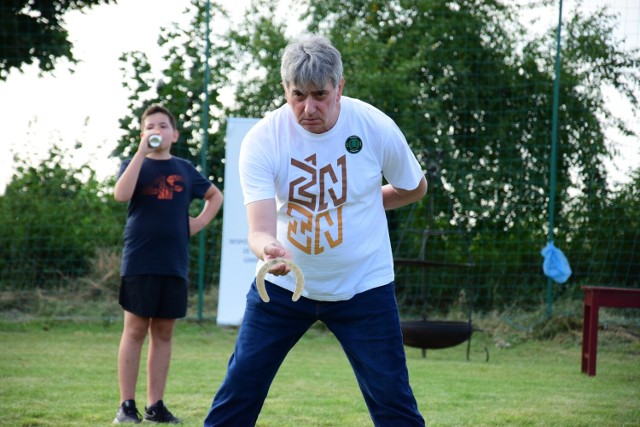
x=159 y=124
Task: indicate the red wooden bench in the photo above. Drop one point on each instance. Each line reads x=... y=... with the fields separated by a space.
x=594 y=298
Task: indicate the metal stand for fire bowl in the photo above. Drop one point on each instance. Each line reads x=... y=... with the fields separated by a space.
x=437 y=334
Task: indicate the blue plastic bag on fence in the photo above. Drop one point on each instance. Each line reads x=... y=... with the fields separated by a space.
x=555 y=264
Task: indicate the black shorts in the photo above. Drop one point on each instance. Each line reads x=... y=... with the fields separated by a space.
x=154 y=296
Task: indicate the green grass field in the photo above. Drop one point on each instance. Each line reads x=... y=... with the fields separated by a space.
x=64 y=374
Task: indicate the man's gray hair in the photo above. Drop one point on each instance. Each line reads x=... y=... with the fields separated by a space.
x=312 y=60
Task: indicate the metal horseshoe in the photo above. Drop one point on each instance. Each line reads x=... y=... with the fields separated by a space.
x=265 y=268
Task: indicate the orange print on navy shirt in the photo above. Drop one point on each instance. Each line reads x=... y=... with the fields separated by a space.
x=164 y=186
x=315 y=204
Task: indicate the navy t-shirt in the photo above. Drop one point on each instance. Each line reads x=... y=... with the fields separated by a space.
x=156 y=235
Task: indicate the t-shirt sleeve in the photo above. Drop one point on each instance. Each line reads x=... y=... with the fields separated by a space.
x=200 y=184
x=256 y=165
x=400 y=166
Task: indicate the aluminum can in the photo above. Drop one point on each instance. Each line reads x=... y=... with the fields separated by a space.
x=155 y=141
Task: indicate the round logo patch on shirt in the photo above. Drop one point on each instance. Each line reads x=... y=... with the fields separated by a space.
x=353 y=144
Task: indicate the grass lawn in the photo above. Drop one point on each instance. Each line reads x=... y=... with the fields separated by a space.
x=65 y=374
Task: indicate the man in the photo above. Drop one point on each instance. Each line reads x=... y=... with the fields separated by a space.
x=312 y=174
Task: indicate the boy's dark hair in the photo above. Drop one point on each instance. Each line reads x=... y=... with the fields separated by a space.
x=155 y=108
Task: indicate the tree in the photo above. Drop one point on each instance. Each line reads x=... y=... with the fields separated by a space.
x=179 y=87
x=473 y=92
x=34 y=31
x=53 y=216
x=604 y=236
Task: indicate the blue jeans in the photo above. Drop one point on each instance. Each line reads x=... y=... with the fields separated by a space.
x=368 y=328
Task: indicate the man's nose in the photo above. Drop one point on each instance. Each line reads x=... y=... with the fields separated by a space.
x=309 y=105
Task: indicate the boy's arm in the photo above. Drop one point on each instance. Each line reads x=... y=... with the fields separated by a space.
x=126 y=184
x=212 y=203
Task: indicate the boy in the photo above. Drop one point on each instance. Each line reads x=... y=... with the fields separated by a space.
x=154 y=287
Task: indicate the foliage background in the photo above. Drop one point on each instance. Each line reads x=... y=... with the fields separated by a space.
x=472 y=88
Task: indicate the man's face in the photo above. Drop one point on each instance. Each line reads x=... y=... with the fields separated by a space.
x=316 y=109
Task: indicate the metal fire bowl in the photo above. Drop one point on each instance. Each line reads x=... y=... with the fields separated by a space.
x=434 y=334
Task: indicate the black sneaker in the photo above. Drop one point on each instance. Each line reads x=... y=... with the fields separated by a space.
x=158 y=413
x=128 y=413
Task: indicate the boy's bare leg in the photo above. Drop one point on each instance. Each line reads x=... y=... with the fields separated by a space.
x=161 y=333
x=133 y=336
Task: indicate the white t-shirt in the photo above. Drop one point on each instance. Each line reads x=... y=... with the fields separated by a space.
x=327 y=189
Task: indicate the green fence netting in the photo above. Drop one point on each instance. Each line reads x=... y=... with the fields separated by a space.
x=519 y=113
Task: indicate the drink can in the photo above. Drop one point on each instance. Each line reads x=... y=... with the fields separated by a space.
x=155 y=141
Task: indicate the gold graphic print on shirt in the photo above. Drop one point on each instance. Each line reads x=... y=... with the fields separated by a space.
x=164 y=187
x=316 y=199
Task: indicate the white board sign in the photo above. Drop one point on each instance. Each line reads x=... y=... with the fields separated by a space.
x=237 y=262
